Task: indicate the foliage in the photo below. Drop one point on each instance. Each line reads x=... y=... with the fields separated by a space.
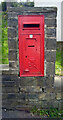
x=4 y=39
x=48 y=113
x=4 y=6
x=59 y=62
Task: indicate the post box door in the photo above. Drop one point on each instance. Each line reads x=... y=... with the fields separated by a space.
x=30 y=55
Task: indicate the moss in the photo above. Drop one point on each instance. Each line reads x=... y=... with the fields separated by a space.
x=49 y=113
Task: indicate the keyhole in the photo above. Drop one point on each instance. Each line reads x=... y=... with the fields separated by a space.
x=26 y=56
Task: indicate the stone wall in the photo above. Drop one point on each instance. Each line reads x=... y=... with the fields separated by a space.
x=30 y=91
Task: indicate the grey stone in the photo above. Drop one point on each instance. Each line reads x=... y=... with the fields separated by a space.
x=12 y=33
x=33 y=9
x=49 y=82
x=51 y=32
x=12 y=55
x=50 y=56
x=13 y=65
x=50 y=68
x=50 y=22
x=12 y=43
x=12 y=22
x=50 y=44
x=46 y=15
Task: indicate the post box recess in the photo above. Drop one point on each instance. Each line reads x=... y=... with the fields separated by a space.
x=31 y=45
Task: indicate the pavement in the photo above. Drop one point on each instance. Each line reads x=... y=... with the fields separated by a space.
x=58 y=82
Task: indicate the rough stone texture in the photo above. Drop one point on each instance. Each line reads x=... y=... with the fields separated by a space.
x=30 y=91
x=12 y=55
x=50 y=22
x=12 y=22
x=33 y=9
x=50 y=68
x=13 y=64
x=12 y=33
x=50 y=45
x=50 y=56
x=51 y=32
x=12 y=43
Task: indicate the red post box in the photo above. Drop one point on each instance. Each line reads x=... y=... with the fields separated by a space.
x=31 y=45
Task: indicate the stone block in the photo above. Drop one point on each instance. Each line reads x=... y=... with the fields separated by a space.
x=58 y=96
x=50 y=22
x=13 y=22
x=50 y=44
x=13 y=14
x=12 y=33
x=12 y=43
x=50 y=68
x=12 y=55
x=50 y=56
x=13 y=64
x=49 y=81
x=51 y=32
x=33 y=9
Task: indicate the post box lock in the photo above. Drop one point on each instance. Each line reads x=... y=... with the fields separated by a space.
x=26 y=70
x=31 y=45
x=31 y=36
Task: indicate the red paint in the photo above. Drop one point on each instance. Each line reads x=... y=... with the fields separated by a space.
x=31 y=45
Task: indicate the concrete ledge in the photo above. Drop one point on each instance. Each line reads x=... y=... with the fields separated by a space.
x=4 y=67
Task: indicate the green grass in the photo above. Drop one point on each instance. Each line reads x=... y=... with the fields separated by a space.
x=59 y=62
x=4 y=39
x=49 y=113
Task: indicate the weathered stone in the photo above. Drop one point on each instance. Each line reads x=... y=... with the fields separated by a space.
x=13 y=65
x=51 y=44
x=50 y=15
x=12 y=55
x=50 y=56
x=50 y=22
x=60 y=104
x=12 y=22
x=48 y=96
x=49 y=81
x=56 y=104
x=12 y=43
x=51 y=32
x=58 y=96
x=50 y=68
x=33 y=9
x=31 y=89
x=10 y=89
x=12 y=33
